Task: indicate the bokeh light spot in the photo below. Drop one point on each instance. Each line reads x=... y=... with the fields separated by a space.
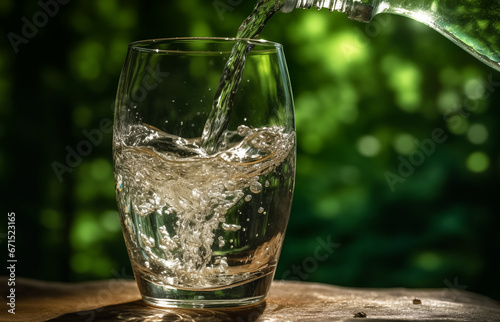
x=404 y=143
x=448 y=101
x=349 y=175
x=87 y=59
x=314 y=25
x=368 y=146
x=429 y=261
x=85 y=231
x=110 y=221
x=101 y=169
x=478 y=162
x=477 y=133
x=328 y=207
x=457 y=124
x=474 y=89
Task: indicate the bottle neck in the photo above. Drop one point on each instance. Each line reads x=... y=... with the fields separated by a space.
x=360 y=10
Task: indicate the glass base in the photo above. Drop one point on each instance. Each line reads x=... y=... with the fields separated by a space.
x=246 y=294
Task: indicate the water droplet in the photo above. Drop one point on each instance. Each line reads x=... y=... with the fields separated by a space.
x=248 y=198
x=173 y=101
x=248 y=219
x=232 y=246
x=222 y=243
x=256 y=187
x=256 y=235
x=231 y=241
x=244 y=229
x=267 y=184
x=261 y=210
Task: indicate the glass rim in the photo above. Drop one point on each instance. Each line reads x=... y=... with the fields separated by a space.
x=146 y=44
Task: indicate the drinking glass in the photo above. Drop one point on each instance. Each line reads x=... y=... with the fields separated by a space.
x=203 y=229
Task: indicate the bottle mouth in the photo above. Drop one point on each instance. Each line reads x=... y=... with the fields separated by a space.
x=289 y=6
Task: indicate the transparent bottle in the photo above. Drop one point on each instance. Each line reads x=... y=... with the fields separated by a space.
x=474 y=25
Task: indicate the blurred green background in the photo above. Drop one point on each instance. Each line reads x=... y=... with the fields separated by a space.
x=364 y=94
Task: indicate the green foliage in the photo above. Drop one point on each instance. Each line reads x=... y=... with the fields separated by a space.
x=364 y=102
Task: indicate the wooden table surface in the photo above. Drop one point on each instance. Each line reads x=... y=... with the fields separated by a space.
x=119 y=300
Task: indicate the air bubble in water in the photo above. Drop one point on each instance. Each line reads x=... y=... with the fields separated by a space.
x=221 y=241
x=186 y=251
x=267 y=184
x=255 y=187
x=261 y=210
x=243 y=130
x=231 y=227
x=148 y=241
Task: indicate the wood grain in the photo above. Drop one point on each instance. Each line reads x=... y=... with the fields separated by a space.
x=119 y=300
